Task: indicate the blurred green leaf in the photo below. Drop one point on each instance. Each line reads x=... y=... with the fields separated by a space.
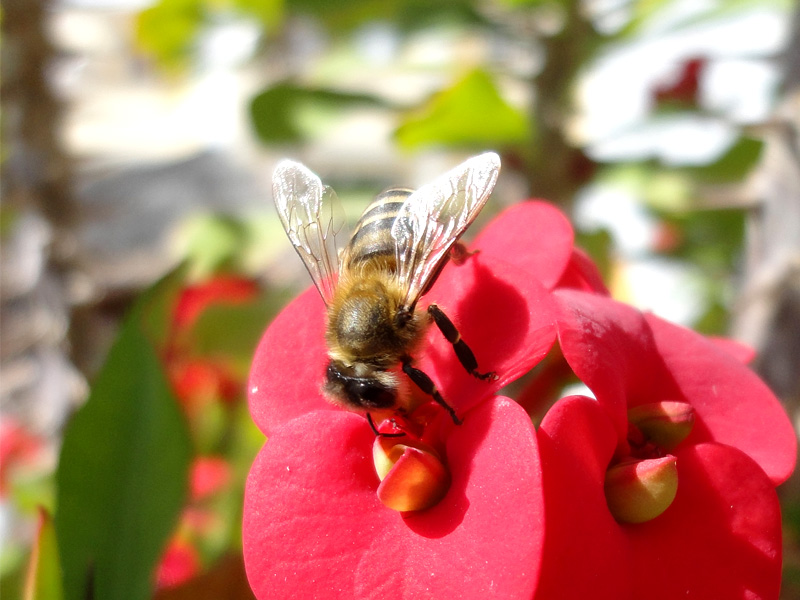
x=122 y=475
x=517 y=3
x=734 y=165
x=156 y=313
x=280 y=113
x=343 y=16
x=711 y=239
x=470 y=113
x=167 y=30
x=269 y=13
x=211 y=243
x=234 y=331
x=9 y=215
x=44 y=571
x=599 y=244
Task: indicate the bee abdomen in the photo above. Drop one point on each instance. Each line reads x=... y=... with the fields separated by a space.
x=372 y=237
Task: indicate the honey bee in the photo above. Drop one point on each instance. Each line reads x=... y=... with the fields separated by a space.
x=398 y=248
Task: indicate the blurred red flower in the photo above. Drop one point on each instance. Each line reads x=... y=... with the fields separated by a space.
x=179 y=563
x=684 y=89
x=220 y=289
x=20 y=449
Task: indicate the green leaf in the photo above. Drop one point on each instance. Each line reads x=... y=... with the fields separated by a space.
x=734 y=165
x=471 y=113
x=157 y=305
x=343 y=16
x=268 y=12
x=44 y=571
x=167 y=30
x=122 y=474
x=287 y=113
x=211 y=242
x=234 y=331
x=529 y=3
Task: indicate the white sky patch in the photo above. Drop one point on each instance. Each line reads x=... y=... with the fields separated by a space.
x=616 y=93
x=672 y=290
x=621 y=213
x=577 y=389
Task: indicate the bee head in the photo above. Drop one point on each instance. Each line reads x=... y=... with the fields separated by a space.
x=371 y=390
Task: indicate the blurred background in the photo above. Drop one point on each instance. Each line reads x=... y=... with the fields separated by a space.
x=141 y=257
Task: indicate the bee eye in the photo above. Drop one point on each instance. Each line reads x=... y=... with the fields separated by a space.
x=371 y=394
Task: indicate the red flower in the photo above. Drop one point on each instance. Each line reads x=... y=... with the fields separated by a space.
x=221 y=289
x=661 y=487
x=720 y=537
x=179 y=563
x=19 y=449
x=314 y=525
x=200 y=381
x=315 y=528
x=210 y=474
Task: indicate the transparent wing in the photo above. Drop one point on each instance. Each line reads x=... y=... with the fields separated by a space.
x=312 y=217
x=433 y=218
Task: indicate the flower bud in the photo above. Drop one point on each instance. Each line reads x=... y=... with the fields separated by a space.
x=640 y=490
x=413 y=476
x=666 y=424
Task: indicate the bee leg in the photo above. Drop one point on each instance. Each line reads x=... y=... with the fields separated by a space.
x=459 y=253
x=425 y=383
x=463 y=352
x=378 y=433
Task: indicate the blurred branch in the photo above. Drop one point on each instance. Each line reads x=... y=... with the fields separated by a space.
x=768 y=313
x=554 y=173
x=39 y=216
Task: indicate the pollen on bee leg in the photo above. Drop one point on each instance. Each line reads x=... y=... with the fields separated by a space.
x=413 y=475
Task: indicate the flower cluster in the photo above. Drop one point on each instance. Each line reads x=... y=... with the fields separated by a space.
x=207 y=386
x=661 y=485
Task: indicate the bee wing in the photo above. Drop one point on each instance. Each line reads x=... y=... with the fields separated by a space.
x=312 y=217
x=433 y=218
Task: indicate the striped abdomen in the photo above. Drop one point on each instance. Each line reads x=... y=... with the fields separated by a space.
x=372 y=239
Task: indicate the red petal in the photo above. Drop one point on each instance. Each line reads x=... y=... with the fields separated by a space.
x=732 y=404
x=506 y=317
x=314 y=527
x=582 y=274
x=740 y=351
x=720 y=538
x=179 y=563
x=585 y=553
x=610 y=348
x=209 y=475
x=534 y=236
x=289 y=364
x=222 y=289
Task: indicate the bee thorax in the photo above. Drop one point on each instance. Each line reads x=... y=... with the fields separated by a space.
x=362 y=325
